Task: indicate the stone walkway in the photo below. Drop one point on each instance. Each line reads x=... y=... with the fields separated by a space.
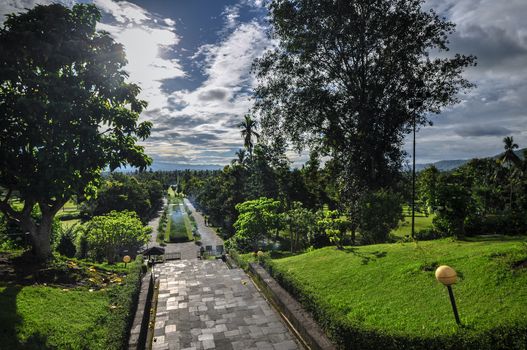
x=208 y=235
x=202 y=304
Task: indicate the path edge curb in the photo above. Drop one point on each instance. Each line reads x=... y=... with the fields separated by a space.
x=300 y=319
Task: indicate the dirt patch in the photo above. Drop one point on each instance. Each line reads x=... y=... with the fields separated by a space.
x=522 y=264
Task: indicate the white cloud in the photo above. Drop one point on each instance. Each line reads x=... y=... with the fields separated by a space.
x=123 y=11
x=231 y=14
x=219 y=103
x=169 y=22
x=145 y=66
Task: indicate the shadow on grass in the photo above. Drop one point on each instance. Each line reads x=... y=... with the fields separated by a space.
x=9 y=318
x=493 y=238
x=10 y=321
x=366 y=257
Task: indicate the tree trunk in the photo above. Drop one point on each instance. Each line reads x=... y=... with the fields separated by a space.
x=291 y=238
x=41 y=236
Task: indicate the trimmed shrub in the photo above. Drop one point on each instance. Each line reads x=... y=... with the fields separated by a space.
x=123 y=304
x=66 y=245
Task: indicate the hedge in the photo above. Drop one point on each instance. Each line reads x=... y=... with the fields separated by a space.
x=349 y=335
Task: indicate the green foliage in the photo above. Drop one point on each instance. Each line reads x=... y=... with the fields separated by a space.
x=257 y=219
x=163 y=222
x=454 y=204
x=302 y=225
x=248 y=130
x=123 y=300
x=484 y=196
x=108 y=236
x=335 y=225
x=66 y=104
x=124 y=192
x=386 y=297
x=367 y=89
x=67 y=242
x=427 y=187
x=380 y=213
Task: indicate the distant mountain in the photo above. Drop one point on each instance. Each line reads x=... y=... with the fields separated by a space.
x=446 y=165
x=443 y=165
x=168 y=166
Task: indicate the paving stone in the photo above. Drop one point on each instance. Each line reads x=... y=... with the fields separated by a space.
x=205 y=306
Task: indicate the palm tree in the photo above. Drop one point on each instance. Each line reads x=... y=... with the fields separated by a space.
x=242 y=157
x=512 y=161
x=248 y=130
x=509 y=157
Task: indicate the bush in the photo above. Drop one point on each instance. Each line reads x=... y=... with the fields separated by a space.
x=66 y=245
x=429 y=234
x=108 y=236
x=123 y=303
x=506 y=223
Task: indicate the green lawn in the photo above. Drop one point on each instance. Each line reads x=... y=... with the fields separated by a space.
x=405 y=227
x=390 y=289
x=178 y=227
x=58 y=315
x=38 y=317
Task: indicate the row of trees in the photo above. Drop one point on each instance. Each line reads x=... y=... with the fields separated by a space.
x=484 y=196
x=140 y=194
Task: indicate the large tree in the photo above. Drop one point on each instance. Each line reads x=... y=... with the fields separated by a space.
x=66 y=112
x=351 y=77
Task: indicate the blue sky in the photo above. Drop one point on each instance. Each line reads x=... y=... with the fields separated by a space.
x=192 y=59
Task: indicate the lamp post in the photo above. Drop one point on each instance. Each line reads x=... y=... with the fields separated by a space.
x=448 y=276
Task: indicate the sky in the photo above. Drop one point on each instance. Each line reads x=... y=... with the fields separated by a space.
x=192 y=59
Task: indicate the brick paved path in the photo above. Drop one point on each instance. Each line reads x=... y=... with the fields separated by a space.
x=203 y=304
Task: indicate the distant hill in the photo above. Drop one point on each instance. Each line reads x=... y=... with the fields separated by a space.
x=167 y=166
x=446 y=165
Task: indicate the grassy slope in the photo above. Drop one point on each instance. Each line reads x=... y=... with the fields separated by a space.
x=385 y=286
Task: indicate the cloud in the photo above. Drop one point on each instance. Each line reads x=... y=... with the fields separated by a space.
x=481 y=130
x=231 y=14
x=213 y=94
x=496 y=32
x=145 y=37
x=207 y=117
x=124 y=12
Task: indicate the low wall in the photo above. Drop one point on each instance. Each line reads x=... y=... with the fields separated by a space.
x=138 y=332
x=302 y=321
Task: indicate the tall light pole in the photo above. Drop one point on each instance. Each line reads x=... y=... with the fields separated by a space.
x=413 y=184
